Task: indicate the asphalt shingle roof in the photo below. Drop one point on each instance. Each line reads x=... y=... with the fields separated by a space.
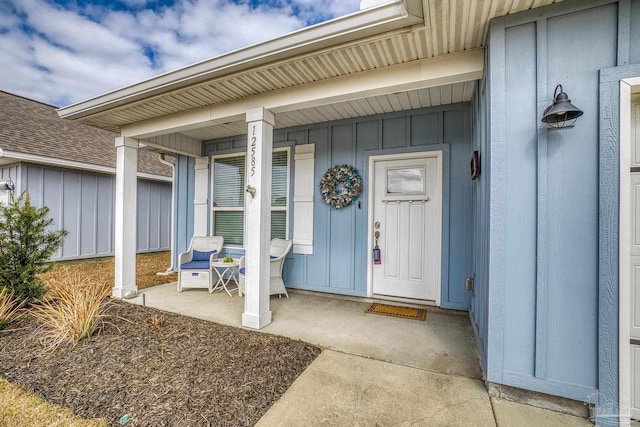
x=31 y=127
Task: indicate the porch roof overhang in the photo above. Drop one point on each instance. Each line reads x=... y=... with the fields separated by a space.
x=395 y=56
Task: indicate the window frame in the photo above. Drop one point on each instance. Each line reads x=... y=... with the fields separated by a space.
x=212 y=209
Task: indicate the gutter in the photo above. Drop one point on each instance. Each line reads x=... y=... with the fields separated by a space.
x=375 y=20
x=163 y=160
x=71 y=164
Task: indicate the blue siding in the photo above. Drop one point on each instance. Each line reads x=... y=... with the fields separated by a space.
x=634 y=46
x=83 y=203
x=478 y=309
x=184 y=196
x=544 y=224
x=521 y=177
x=339 y=260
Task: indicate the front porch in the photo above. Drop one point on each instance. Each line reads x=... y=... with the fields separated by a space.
x=443 y=343
x=373 y=369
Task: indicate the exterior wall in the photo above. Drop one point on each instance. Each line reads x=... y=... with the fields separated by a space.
x=545 y=212
x=339 y=260
x=12 y=172
x=9 y=173
x=184 y=197
x=480 y=218
x=83 y=203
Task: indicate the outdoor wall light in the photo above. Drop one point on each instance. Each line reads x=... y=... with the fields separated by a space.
x=562 y=113
x=7 y=185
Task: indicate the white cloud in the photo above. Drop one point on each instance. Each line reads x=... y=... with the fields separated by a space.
x=62 y=56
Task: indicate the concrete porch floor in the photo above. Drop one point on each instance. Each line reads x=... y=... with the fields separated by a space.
x=374 y=370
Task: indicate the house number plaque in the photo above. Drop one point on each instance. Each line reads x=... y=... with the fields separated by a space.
x=253 y=150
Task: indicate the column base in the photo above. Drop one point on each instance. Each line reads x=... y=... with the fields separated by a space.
x=251 y=320
x=126 y=293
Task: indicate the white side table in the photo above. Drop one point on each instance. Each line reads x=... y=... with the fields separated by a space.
x=223 y=269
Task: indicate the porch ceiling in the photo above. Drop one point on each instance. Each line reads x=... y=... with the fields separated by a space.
x=429 y=97
x=449 y=26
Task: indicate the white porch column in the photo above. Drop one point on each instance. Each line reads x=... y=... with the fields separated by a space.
x=125 y=216
x=258 y=218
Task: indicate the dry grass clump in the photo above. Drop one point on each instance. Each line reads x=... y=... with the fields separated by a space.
x=9 y=307
x=19 y=408
x=157 y=322
x=75 y=309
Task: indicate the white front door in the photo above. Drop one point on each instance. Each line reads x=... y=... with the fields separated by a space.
x=407 y=214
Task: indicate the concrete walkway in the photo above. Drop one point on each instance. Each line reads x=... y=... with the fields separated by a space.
x=374 y=370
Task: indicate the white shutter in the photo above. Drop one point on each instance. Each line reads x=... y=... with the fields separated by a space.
x=200 y=213
x=303 y=199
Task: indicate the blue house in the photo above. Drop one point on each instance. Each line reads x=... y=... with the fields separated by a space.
x=479 y=204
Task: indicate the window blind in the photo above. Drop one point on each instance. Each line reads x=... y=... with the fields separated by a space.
x=228 y=181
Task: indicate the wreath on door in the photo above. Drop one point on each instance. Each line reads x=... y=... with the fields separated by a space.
x=340 y=186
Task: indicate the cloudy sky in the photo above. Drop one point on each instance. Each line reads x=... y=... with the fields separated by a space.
x=65 y=51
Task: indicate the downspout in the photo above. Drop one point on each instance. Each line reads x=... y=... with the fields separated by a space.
x=163 y=160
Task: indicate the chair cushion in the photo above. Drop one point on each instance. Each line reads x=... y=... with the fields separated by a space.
x=202 y=256
x=241 y=270
x=196 y=265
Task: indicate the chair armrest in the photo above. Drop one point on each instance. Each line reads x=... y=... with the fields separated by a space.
x=184 y=257
x=241 y=263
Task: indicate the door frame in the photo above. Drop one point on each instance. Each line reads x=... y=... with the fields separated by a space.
x=439 y=155
x=624 y=298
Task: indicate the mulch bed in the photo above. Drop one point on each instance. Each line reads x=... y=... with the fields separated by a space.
x=187 y=372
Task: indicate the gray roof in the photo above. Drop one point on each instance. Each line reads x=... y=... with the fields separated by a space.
x=31 y=127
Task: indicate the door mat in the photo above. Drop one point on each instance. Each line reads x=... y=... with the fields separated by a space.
x=396 y=311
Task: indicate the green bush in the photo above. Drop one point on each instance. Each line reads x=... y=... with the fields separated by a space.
x=26 y=244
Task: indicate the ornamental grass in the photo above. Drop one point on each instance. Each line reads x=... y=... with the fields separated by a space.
x=74 y=309
x=9 y=307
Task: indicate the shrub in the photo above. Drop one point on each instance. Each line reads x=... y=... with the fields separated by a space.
x=9 y=307
x=74 y=309
x=26 y=244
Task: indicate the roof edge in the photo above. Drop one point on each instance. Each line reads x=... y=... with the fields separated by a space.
x=385 y=17
x=72 y=164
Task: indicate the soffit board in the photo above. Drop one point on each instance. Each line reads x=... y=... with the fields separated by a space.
x=450 y=26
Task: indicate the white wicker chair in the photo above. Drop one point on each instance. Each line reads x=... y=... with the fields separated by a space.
x=195 y=264
x=278 y=250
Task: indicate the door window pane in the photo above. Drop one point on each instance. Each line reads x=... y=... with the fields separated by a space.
x=405 y=180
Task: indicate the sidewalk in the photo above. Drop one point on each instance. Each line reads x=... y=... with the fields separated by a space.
x=373 y=370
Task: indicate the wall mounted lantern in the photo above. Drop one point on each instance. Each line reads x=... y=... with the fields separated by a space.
x=7 y=185
x=562 y=113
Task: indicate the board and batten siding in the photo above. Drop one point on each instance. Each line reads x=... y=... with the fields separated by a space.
x=83 y=204
x=338 y=263
x=184 y=204
x=544 y=281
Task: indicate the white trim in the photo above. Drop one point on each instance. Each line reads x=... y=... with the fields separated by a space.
x=195 y=152
x=624 y=301
x=303 y=192
x=125 y=224
x=200 y=202
x=386 y=17
x=384 y=157
x=426 y=73
x=71 y=164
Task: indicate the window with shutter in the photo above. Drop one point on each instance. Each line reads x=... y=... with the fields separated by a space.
x=228 y=192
